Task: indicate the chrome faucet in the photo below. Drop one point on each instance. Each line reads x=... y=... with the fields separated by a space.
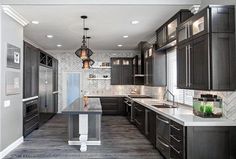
x=173 y=97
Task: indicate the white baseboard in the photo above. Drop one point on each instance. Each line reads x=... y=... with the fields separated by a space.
x=11 y=147
x=87 y=142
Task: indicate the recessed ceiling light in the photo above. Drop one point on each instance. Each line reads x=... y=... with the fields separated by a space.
x=119 y=45
x=59 y=45
x=125 y=36
x=135 y=22
x=35 y=22
x=49 y=36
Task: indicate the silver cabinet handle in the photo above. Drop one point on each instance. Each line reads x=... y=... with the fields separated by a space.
x=164 y=121
x=186 y=69
x=175 y=128
x=163 y=143
x=189 y=66
x=175 y=138
x=178 y=152
x=138 y=109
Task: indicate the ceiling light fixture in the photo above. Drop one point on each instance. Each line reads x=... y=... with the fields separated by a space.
x=135 y=22
x=125 y=36
x=49 y=36
x=119 y=45
x=59 y=45
x=84 y=52
x=35 y=22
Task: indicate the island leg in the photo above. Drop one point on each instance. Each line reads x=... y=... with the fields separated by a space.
x=83 y=131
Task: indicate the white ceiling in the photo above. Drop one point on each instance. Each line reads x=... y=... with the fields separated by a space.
x=107 y=23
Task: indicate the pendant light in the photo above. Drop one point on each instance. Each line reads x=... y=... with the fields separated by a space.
x=84 y=52
x=87 y=63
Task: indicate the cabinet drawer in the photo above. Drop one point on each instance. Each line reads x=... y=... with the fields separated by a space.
x=163 y=127
x=163 y=147
x=176 y=130
x=175 y=154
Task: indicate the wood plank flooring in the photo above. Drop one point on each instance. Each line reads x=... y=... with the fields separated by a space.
x=120 y=140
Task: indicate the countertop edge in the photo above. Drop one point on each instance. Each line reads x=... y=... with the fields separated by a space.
x=184 y=123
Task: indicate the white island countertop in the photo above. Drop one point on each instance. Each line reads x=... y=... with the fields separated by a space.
x=184 y=114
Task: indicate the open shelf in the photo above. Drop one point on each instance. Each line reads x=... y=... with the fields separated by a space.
x=99 y=78
x=101 y=67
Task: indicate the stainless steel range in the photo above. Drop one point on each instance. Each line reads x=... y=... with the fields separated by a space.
x=129 y=104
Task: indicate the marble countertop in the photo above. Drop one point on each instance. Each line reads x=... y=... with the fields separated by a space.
x=107 y=95
x=78 y=107
x=184 y=114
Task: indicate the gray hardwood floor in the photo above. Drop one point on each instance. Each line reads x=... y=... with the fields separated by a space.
x=120 y=140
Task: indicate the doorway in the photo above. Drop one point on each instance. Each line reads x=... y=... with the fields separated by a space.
x=73 y=84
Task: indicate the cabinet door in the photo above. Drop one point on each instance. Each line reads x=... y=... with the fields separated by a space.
x=116 y=71
x=159 y=69
x=151 y=127
x=171 y=30
x=200 y=63
x=182 y=32
x=223 y=61
x=34 y=72
x=182 y=64
x=161 y=37
x=199 y=24
x=27 y=71
x=55 y=75
x=127 y=71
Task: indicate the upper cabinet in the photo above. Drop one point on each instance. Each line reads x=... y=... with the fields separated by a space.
x=213 y=19
x=166 y=34
x=121 y=71
x=30 y=73
x=206 y=50
x=45 y=59
x=154 y=67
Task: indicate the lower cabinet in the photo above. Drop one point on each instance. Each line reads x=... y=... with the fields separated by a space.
x=139 y=117
x=150 y=126
x=112 y=105
x=30 y=116
x=175 y=141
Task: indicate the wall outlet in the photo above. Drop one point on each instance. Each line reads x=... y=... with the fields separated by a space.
x=7 y=103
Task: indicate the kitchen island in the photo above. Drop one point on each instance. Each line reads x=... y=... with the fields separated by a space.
x=84 y=122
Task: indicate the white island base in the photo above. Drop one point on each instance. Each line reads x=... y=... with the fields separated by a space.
x=84 y=140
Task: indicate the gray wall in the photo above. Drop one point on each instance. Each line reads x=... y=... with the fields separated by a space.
x=10 y=117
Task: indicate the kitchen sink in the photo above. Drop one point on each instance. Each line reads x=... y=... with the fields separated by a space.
x=164 y=106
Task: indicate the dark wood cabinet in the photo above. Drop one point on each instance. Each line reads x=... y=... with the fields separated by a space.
x=112 y=105
x=154 y=68
x=55 y=74
x=139 y=117
x=166 y=34
x=31 y=71
x=150 y=126
x=205 y=51
x=212 y=19
x=45 y=59
x=121 y=71
x=205 y=63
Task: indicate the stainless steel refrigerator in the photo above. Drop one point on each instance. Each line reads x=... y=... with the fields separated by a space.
x=46 y=107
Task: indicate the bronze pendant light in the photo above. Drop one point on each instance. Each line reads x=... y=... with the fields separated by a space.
x=84 y=52
x=87 y=63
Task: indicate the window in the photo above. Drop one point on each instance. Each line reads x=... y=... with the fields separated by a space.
x=181 y=95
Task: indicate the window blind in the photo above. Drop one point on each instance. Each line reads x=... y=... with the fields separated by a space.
x=181 y=95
